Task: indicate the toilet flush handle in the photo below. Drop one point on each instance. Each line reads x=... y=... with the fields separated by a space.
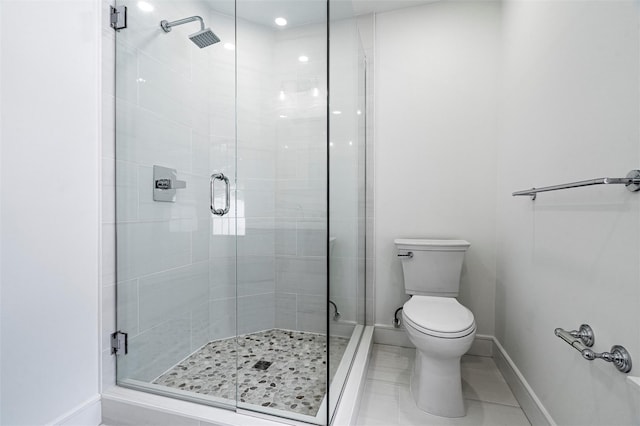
x=409 y=255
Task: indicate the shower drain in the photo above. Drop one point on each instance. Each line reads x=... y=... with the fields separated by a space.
x=262 y=365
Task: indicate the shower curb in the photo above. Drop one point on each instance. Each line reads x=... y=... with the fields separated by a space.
x=349 y=404
x=122 y=406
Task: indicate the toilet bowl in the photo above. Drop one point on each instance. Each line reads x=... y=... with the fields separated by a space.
x=442 y=331
x=439 y=326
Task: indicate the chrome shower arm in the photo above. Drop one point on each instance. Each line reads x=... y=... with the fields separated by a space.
x=166 y=25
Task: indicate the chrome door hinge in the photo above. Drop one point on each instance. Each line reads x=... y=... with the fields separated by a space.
x=119 y=343
x=118 y=17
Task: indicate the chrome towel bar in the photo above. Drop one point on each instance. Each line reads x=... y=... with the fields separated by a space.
x=631 y=181
x=582 y=339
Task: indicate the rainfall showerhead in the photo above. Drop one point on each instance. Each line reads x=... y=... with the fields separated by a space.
x=203 y=38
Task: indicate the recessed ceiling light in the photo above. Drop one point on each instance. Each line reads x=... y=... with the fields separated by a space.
x=283 y=116
x=359 y=112
x=229 y=46
x=330 y=143
x=282 y=96
x=281 y=21
x=316 y=92
x=337 y=112
x=303 y=58
x=145 y=7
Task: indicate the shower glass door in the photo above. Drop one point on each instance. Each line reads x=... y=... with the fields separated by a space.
x=175 y=153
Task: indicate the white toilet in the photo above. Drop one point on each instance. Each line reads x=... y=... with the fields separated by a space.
x=437 y=324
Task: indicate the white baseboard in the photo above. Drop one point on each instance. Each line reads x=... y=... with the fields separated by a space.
x=482 y=346
x=86 y=414
x=389 y=335
x=528 y=400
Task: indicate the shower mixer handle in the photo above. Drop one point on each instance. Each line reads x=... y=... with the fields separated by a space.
x=227 y=205
x=165 y=183
x=170 y=184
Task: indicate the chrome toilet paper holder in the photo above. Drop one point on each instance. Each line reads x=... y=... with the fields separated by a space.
x=582 y=340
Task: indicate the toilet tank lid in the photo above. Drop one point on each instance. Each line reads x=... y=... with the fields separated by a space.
x=431 y=243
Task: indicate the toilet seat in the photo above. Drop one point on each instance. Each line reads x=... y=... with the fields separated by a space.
x=439 y=316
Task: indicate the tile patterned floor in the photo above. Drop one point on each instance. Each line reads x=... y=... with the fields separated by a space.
x=387 y=399
x=294 y=381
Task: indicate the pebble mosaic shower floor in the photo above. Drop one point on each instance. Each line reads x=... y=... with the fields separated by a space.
x=280 y=369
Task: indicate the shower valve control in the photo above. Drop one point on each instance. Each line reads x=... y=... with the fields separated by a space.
x=165 y=183
x=170 y=184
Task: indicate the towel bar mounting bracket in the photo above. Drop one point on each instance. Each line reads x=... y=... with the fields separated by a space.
x=633 y=186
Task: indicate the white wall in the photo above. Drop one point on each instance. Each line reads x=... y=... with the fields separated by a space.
x=436 y=108
x=570 y=112
x=50 y=212
x=565 y=77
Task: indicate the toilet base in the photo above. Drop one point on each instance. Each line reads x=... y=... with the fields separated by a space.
x=436 y=386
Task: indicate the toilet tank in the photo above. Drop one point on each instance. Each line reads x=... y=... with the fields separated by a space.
x=431 y=267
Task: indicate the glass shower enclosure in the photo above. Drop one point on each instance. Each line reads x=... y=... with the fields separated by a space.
x=240 y=202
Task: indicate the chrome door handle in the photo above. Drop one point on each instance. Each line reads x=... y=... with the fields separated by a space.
x=220 y=212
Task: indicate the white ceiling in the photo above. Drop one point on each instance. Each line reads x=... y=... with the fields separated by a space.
x=302 y=12
x=363 y=7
